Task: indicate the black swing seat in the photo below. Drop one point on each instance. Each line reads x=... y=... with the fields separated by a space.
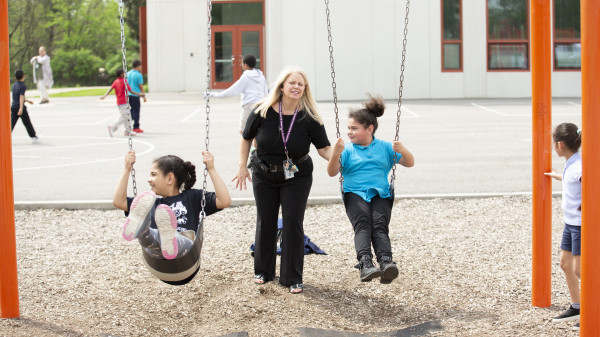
x=181 y=270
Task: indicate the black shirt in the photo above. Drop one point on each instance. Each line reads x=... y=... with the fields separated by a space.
x=17 y=90
x=186 y=206
x=267 y=132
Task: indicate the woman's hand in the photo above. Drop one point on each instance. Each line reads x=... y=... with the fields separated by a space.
x=240 y=178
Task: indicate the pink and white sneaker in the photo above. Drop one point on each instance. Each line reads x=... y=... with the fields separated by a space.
x=166 y=222
x=138 y=214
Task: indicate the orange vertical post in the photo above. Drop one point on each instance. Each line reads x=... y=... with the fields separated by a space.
x=9 y=289
x=590 y=180
x=143 y=38
x=541 y=101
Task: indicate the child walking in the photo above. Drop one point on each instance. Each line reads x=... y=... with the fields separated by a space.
x=18 y=108
x=162 y=224
x=366 y=163
x=567 y=140
x=124 y=112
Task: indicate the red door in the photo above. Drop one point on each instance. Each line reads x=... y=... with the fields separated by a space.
x=230 y=44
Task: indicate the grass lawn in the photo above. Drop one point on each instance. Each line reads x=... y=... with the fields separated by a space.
x=82 y=92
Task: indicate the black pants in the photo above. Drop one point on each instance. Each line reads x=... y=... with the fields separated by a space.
x=134 y=103
x=370 y=221
x=270 y=191
x=14 y=117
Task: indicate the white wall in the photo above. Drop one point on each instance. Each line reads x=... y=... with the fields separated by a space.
x=367 y=42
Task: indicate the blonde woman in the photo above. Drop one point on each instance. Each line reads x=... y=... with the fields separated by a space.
x=284 y=125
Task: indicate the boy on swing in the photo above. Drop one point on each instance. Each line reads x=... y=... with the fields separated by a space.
x=366 y=163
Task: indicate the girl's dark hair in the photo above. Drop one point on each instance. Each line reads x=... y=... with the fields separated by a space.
x=366 y=116
x=184 y=172
x=569 y=134
x=119 y=72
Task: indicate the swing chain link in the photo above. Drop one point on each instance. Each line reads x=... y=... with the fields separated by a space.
x=400 y=88
x=129 y=127
x=207 y=94
x=334 y=87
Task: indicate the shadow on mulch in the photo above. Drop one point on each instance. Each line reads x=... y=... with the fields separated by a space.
x=417 y=330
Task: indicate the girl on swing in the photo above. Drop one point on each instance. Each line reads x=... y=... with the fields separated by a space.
x=366 y=162
x=164 y=225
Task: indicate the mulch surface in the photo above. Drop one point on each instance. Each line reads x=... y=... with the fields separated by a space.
x=465 y=270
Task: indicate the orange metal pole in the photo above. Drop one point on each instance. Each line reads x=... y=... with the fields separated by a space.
x=9 y=288
x=590 y=150
x=541 y=101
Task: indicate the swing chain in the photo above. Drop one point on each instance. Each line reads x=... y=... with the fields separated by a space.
x=334 y=87
x=129 y=128
x=400 y=88
x=207 y=95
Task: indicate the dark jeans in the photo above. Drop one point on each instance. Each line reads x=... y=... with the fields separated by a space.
x=14 y=117
x=270 y=191
x=134 y=102
x=370 y=221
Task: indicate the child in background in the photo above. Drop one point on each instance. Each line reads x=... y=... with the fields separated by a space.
x=163 y=231
x=18 y=108
x=366 y=163
x=124 y=111
x=567 y=140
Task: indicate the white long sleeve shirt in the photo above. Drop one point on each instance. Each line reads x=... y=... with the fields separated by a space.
x=252 y=85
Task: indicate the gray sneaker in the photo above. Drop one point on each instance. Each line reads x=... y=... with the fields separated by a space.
x=569 y=315
x=35 y=140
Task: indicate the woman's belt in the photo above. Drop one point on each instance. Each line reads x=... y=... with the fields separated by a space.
x=279 y=168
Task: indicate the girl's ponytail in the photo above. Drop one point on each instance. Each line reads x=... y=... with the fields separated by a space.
x=190 y=179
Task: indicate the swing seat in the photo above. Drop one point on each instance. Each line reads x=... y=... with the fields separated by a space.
x=181 y=270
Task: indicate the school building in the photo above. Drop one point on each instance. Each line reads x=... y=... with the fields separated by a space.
x=455 y=48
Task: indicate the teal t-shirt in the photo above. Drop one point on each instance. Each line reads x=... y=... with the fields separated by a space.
x=366 y=168
x=135 y=80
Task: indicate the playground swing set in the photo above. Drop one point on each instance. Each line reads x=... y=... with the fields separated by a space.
x=183 y=269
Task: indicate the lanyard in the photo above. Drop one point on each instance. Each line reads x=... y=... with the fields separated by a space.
x=285 y=138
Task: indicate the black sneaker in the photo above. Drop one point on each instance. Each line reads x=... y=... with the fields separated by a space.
x=389 y=270
x=569 y=315
x=576 y=327
x=367 y=270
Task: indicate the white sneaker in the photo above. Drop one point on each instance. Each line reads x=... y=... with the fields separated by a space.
x=166 y=222
x=138 y=214
x=35 y=140
x=110 y=131
x=129 y=134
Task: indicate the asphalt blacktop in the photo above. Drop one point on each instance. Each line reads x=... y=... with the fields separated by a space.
x=462 y=148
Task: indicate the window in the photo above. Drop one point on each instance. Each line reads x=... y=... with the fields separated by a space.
x=567 y=35
x=249 y=13
x=451 y=35
x=508 y=35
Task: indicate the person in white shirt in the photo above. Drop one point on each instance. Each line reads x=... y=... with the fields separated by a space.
x=567 y=140
x=252 y=85
x=42 y=74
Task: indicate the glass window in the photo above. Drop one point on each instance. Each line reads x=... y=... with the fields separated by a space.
x=508 y=35
x=451 y=35
x=508 y=56
x=567 y=34
x=249 y=13
x=452 y=56
x=567 y=56
x=451 y=14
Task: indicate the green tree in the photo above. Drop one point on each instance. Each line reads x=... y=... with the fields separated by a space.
x=81 y=37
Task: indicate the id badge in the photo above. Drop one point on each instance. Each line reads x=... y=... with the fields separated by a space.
x=289 y=168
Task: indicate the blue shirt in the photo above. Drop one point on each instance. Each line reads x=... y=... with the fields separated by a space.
x=366 y=168
x=135 y=80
